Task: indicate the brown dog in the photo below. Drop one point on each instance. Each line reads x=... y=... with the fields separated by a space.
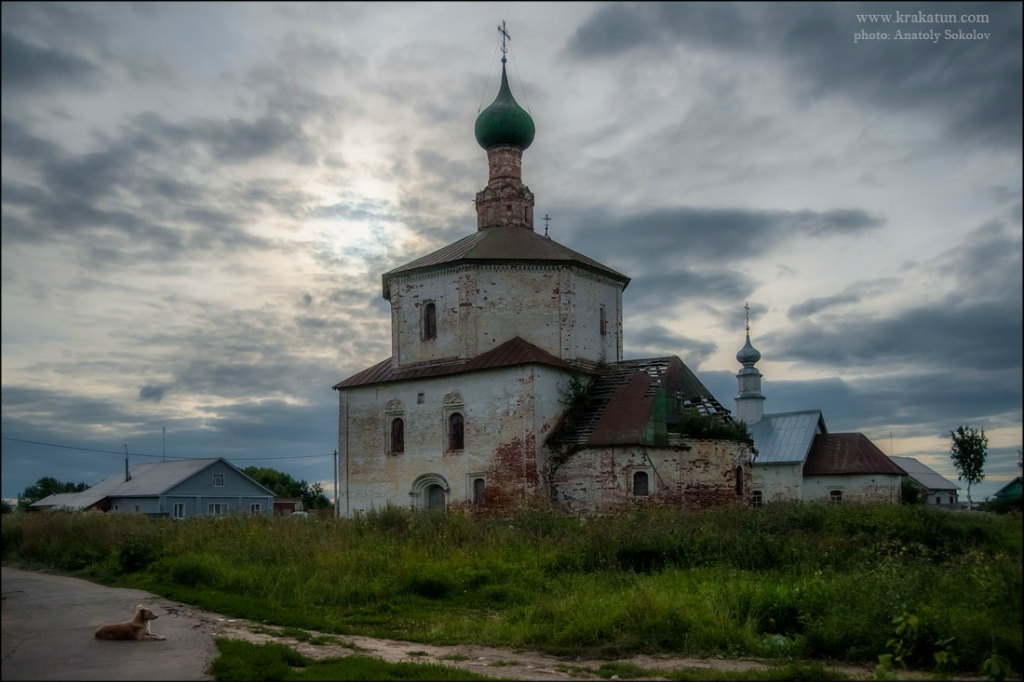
x=136 y=628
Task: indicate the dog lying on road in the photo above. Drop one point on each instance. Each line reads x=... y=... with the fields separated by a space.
x=136 y=628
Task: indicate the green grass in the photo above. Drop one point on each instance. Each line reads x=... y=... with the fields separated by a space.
x=247 y=661
x=785 y=582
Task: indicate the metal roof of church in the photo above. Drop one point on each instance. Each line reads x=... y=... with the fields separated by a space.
x=929 y=478
x=847 y=453
x=516 y=351
x=498 y=245
x=785 y=437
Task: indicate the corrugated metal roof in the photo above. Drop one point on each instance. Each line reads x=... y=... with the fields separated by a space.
x=147 y=480
x=513 y=352
x=786 y=437
x=847 y=453
x=501 y=244
x=926 y=477
x=621 y=402
x=55 y=500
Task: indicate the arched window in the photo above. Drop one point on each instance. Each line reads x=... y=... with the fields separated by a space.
x=429 y=321
x=397 y=435
x=640 y=484
x=456 y=432
x=739 y=480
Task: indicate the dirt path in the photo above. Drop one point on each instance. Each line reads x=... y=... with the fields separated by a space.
x=29 y=597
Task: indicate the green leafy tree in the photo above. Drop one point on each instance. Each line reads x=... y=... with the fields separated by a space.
x=44 y=487
x=5 y=507
x=283 y=485
x=969 y=450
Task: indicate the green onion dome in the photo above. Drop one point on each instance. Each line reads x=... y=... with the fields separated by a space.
x=504 y=122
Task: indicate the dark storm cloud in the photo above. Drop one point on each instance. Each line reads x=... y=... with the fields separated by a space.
x=855 y=293
x=971 y=335
x=918 y=402
x=680 y=253
x=656 y=340
x=700 y=235
x=662 y=290
x=152 y=392
x=26 y=67
x=977 y=326
x=974 y=85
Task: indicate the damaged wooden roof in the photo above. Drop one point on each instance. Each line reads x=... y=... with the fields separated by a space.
x=847 y=453
x=635 y=402
x=508 y=244
x=516 y=351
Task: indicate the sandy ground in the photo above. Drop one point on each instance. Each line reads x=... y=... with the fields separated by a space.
x=49 y=620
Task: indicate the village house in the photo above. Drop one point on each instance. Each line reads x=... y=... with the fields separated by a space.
x=179 y=489
x=506 y=380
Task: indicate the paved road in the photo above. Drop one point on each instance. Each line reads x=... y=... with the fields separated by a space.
x=49 y=621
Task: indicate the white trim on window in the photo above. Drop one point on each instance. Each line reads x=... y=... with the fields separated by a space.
x=217 y=508
x=218 y=480
x=179 y=510
x=255 y=508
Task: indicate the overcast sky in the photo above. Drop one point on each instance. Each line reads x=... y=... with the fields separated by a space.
x=199 y=201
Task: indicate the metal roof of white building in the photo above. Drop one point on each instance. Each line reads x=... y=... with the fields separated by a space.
x=928 y=478
x=786 y=437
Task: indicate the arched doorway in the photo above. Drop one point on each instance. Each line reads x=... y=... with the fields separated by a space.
x=435 y=498
x=429 y=492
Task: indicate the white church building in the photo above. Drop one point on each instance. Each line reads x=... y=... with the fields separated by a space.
x=797 y=457
x=506 y=380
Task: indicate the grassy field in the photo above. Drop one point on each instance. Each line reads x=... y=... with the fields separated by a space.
x=931 y=589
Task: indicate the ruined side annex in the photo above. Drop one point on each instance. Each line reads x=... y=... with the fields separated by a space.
x=506 y=380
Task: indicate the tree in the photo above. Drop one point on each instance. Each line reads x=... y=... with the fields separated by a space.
x=283 y=485
x=5 y=507
x=968 y=450
x=44 y=487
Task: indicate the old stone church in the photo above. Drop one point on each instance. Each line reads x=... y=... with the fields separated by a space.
x=506 y=380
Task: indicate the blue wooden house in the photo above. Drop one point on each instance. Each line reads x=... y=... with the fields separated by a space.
x=179 y=489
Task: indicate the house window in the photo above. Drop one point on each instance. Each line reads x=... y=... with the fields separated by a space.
x=835 y=496
x=951 y=500
x=758 y=499
x=456 y=431
x=604 y=322
x=137 y=509
x=255 y=508
x=218 y=508
x=117 y=507
x=429 y=321
x=419 y=398
x=397 y=435
x=179 y=510
x=739 y=480
x=218 y=480
x=478 y=491
x=641 y=484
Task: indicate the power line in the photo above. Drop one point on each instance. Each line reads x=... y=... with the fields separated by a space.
x=143 y=454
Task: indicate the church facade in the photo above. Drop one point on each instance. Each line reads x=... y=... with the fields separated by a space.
x=506 y=380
